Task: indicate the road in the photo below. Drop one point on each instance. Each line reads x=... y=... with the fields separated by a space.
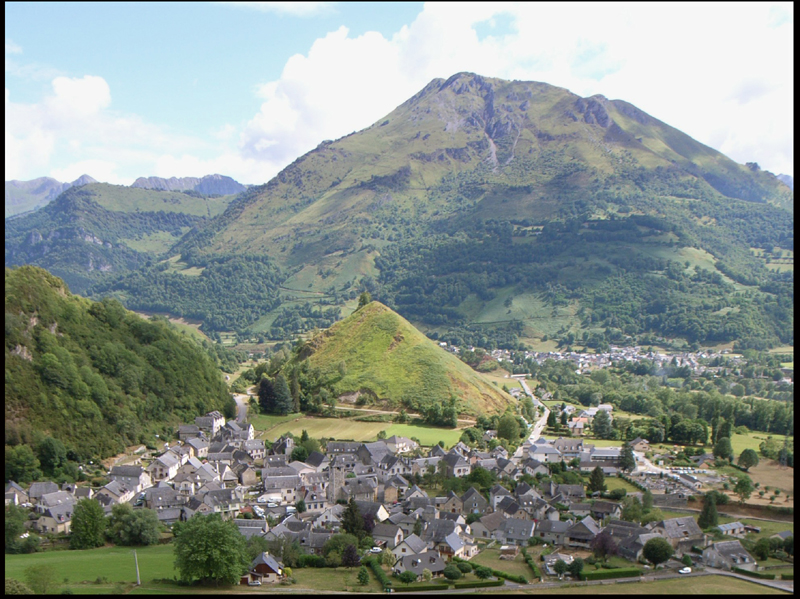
x=241 y=404
x=648 y=465
x=542 y=422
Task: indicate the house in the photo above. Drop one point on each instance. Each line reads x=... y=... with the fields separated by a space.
x=15 y=495
x=456 y=465
x=728 y=555
x=732 y=529
x=580 y=510
x=783 y=535
x=318 y=461
x=401 y=444
x=188 y=431
x=569 y=448
x=510 y=508
x=52 y=499
x=199 y=447
x=582 y=533
x=429 y=560
x=605 y=509
x=210 y=423
x=472 y=502
x=56 y=519
x=513 y=531
x=577 y=426
x=451 y=546
x=164 y=467
x=255 y=448
x=496 y=494
x=340 y=447
x=263 y=569
x=681 y=533
x=453 y=504
x=251 y=528
x=630 y=537
x=544 y=453
x=553 y=531
x=533 y=467
x=36 y=490
x=374 y=509
x=330 y=518
x=387 y=534
x=639 y=444
x=283 y=446
x=371 y=454
x=116 y=491
x=410 y=545
x=485 y=527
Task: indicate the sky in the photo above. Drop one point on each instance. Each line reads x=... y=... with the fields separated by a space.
x=124 y=90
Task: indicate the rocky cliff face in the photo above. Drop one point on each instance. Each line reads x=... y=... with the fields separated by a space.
x=22 y=196
x=208 y=185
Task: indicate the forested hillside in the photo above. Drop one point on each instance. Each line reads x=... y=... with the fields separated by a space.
x=93 y=375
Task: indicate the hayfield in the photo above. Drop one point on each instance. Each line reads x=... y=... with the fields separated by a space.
x=696 y=585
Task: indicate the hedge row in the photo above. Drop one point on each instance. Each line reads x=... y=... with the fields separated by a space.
x=762 y=575
x=420 y=587
x=531 y=563
x=616 y=573
x=788 y=576
x=378 y=571
x=311 y=561
x=474 y=584
x=636 y=484
x=511 y=577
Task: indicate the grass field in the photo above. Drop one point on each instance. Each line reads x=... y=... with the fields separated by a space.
x=491 y=558
x=749 y=441
x=345 y=428
x=699 y=585
x=612 y=482
x=114 y=563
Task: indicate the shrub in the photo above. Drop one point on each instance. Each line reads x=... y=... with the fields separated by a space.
x=762 y=575
x=378 y=571
x=615 y=573
x=418 y=588
x=452 y=572
x=465 y=567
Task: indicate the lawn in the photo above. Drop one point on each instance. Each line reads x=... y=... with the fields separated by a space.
x=346 y=428
x=491 y=558
x=113 y=563
x=612 y=482
x=699 y=585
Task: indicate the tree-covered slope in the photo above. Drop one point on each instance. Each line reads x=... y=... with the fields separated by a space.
x=99 y=230
x=94 y=375
x=379 y=353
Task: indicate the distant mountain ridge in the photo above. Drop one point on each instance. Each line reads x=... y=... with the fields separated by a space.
x=788 y=179
x=208 y=185
x=22 y=196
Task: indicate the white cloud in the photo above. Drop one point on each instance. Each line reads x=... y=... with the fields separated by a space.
x=12 y=48
x=723 y=77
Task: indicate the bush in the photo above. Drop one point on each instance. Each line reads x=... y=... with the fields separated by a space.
x=311 y=561
x=606 y=574
x=762 y=575
x=465 y=567
x=378 y=571
x=452 y=572
x=788 y=576
x=511 y=577
x=418 y=588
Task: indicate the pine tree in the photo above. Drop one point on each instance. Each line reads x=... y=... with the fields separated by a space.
x=708 y=516
x=627 y=459
x=601 y=425
x=266 y=395
x=283 y=398
x=597 y=480
x=352 y=521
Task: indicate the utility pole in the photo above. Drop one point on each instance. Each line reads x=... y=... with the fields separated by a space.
x=136 y=559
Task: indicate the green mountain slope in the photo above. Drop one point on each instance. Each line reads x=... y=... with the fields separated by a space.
x=99 y=229
x=386 y=358
x=488 y=212
x=23 y=196
x=94 y=375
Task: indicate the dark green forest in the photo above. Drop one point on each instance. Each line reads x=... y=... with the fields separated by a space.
x=94 y=376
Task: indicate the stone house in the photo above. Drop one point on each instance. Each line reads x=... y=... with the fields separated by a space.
x=728 y=555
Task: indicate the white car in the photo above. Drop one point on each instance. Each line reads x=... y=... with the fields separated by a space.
x=686 y=570
x=375 y=550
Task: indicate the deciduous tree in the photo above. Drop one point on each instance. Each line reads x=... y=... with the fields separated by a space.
x=211 y=550
x=657 y=551
x=748 y=459
x=88 y=525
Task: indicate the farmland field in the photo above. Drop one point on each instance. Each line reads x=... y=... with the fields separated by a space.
x=347 y=429
x=700 y=585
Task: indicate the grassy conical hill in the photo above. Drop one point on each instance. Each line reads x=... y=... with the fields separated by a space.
x=385 y=356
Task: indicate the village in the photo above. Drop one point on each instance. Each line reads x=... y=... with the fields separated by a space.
x=219 y=466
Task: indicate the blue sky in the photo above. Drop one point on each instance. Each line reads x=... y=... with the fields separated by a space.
x=122 y=90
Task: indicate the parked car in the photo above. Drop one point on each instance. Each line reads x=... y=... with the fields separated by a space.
x=375 y=550
x=686 y=570
x=254 y=583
